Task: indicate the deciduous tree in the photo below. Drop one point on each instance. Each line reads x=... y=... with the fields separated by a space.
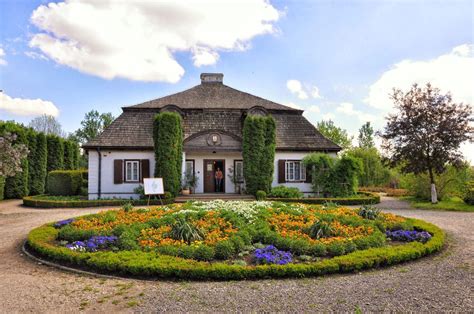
x=336 y=134
x=93 y=124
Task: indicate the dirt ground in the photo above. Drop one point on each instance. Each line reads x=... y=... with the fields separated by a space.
x=443 y=282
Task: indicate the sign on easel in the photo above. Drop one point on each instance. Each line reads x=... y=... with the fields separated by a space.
x=153 y=186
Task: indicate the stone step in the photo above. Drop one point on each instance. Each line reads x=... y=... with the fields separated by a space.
x=213 y=196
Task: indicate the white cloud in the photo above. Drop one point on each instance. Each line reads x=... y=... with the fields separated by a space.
x=314 y=109
x=35 y=55
x=2 y=55
x=453 y=72
x=348 y=109
x=137 y=40
x=329 y=116
x=302 y=92
x=27 y=107
x=295 y=87
x=293 y=105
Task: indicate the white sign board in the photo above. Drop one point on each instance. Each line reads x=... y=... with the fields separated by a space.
x=153 y=186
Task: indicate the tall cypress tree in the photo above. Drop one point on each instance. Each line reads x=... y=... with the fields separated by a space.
x=168 y=141
x=31 y=137
x=55 y=153
x=38 y=164
x=258 y=151
x=69 y=147
x=17 y=186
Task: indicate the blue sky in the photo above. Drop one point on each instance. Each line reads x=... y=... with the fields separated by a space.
x=335 y=59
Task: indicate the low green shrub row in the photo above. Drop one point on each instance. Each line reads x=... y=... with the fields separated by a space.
x=41 y=241
x=282 y=191
x=42 y=202
x=363 y=198
x=2 y=187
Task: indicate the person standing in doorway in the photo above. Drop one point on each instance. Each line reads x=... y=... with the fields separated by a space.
x=219 y=176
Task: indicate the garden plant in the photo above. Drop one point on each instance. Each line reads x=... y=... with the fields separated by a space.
x=234 y=240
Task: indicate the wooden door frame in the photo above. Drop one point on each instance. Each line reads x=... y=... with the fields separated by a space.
x=205 y=170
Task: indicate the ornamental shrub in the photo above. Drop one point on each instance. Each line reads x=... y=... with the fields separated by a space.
x=168 y=143
x=282 y=191
x=258 y=151
x=69 y=158
x=224 y=250
x=55 y=157
x=64 y=182
x=260 y=195
x=37 y=164
x=204 y=253
x=2 y=187
x=16 y=186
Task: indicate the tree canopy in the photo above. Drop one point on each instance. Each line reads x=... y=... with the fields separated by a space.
x=425 y=133
x=92 y=125
x=47 y=124
x=366 y=136
x=336 y=134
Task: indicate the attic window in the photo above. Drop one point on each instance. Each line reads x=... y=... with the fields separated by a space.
x=212 y=78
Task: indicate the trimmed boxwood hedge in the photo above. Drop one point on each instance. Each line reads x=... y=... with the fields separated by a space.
x=153 y=265
x=364 y=198
x=40 y=202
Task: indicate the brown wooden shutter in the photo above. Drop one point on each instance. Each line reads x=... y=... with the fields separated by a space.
x=281 y=171
x=118 y=171
x=308 y=175
x=145 y=169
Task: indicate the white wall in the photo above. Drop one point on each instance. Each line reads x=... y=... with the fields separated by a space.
x=303 y=187
x=108 y=188
x=199 y=167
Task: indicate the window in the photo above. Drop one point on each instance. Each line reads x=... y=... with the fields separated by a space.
x=295 y=171
x=239 y=171
x=132 y=170
x=189 y=166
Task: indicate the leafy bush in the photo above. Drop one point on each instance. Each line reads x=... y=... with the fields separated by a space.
x=261 y=195
x=183 y=230
x=369 y=212
x=64 y=182
x=2 y=187
x=359 y=199
x=204 y=253
x=224 y=250
x=320 y=229
x=282 y=191
x=168 y=141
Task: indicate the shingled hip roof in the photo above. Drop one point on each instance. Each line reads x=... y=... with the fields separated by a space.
x=211 y=106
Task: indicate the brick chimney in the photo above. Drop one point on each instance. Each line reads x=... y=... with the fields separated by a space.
x=212 y=78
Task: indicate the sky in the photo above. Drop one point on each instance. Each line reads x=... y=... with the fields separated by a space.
x=336 y=60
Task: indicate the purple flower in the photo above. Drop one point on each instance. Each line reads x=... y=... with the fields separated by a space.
x=93 y=244
x=408 y=235
x=271 y=255
x=63 y=223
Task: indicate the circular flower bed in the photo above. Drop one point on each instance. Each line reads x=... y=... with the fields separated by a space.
x=234 y=240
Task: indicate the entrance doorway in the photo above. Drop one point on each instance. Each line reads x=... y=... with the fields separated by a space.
x=211 y=183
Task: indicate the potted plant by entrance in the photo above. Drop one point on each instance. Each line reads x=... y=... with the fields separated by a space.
x=190 y=182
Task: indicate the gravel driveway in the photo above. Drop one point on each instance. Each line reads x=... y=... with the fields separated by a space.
x=443 y=282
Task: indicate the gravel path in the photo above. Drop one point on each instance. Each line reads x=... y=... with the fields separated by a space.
x=443 y=282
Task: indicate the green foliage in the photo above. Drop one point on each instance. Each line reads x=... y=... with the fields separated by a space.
x=37 y=161
x=260 y=195
x=373 y=172
x=150 y=264
x=2 y=187
x=224 y=250
x=17 y=185
x=369 y=212
x=55 y=158
x=127 y=207
x=184 y=230
x=320 y=229
x=334 y=133
x=359 y=199
x=333 y=177
x=168 y=141
x=366 y=136
x=64 y=182
x=204 y=253
x=258 y=151
x=468 y=197
x=71 y=234
x=70 y=155
x=282 y=191
x=92 y=125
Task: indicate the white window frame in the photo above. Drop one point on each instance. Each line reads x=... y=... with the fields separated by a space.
x=189 y=162
x=132 y=163
x=290 y=171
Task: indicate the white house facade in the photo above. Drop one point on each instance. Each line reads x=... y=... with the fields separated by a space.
x=212 y=115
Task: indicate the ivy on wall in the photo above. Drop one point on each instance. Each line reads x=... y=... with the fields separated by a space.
x=333 y=177
x=258 y=151
x=168 y=143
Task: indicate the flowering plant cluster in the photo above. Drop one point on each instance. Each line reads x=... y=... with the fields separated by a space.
x=271 y=255
x=408 y=235
x=62 y=223
x=93 y=244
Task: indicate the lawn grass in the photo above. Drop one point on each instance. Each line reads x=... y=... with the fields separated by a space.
x=454 y=204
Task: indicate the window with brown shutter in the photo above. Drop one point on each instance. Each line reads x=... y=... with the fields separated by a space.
x=118 y=171
x=145 y=169
x=281 y=171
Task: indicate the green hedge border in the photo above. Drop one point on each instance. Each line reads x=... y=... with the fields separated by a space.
x=151 y=265
x=366 y=198
x=32 y=201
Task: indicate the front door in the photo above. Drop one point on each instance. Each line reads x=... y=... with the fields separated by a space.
x=211 y=183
